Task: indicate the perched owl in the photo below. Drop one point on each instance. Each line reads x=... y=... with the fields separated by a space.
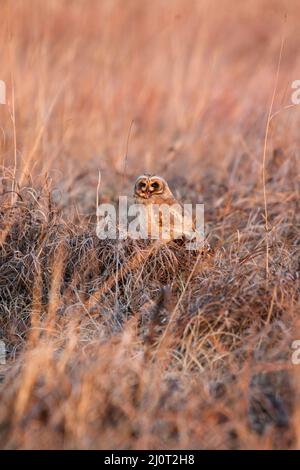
x=153 y=190
x=161 y=209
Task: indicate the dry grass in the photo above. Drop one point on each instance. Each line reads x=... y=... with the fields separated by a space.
x=93 y=358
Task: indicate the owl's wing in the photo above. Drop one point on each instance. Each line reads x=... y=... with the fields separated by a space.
x=172 y=219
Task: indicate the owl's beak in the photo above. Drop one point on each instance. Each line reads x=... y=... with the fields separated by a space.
x=147 y=193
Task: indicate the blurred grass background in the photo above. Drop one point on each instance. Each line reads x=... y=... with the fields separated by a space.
x=196 y=77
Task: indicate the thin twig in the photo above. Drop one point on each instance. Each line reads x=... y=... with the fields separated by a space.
x=13 y=118
x=270 y=113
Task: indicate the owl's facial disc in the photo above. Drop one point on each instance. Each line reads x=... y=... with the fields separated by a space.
x=156 y=186
x=146 y=187
x=142 y=189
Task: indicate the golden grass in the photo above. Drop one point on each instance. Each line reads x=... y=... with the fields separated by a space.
x=125 y=345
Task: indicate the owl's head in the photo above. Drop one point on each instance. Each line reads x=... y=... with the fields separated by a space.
x=149 y=186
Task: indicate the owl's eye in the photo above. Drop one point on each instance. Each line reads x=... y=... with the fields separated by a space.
x=142 y=185
x=155 y=185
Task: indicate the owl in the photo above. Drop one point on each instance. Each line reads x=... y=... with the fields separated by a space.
x=150 y=189
x=164 y=213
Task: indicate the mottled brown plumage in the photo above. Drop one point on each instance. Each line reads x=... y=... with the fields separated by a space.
x=151 y=191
